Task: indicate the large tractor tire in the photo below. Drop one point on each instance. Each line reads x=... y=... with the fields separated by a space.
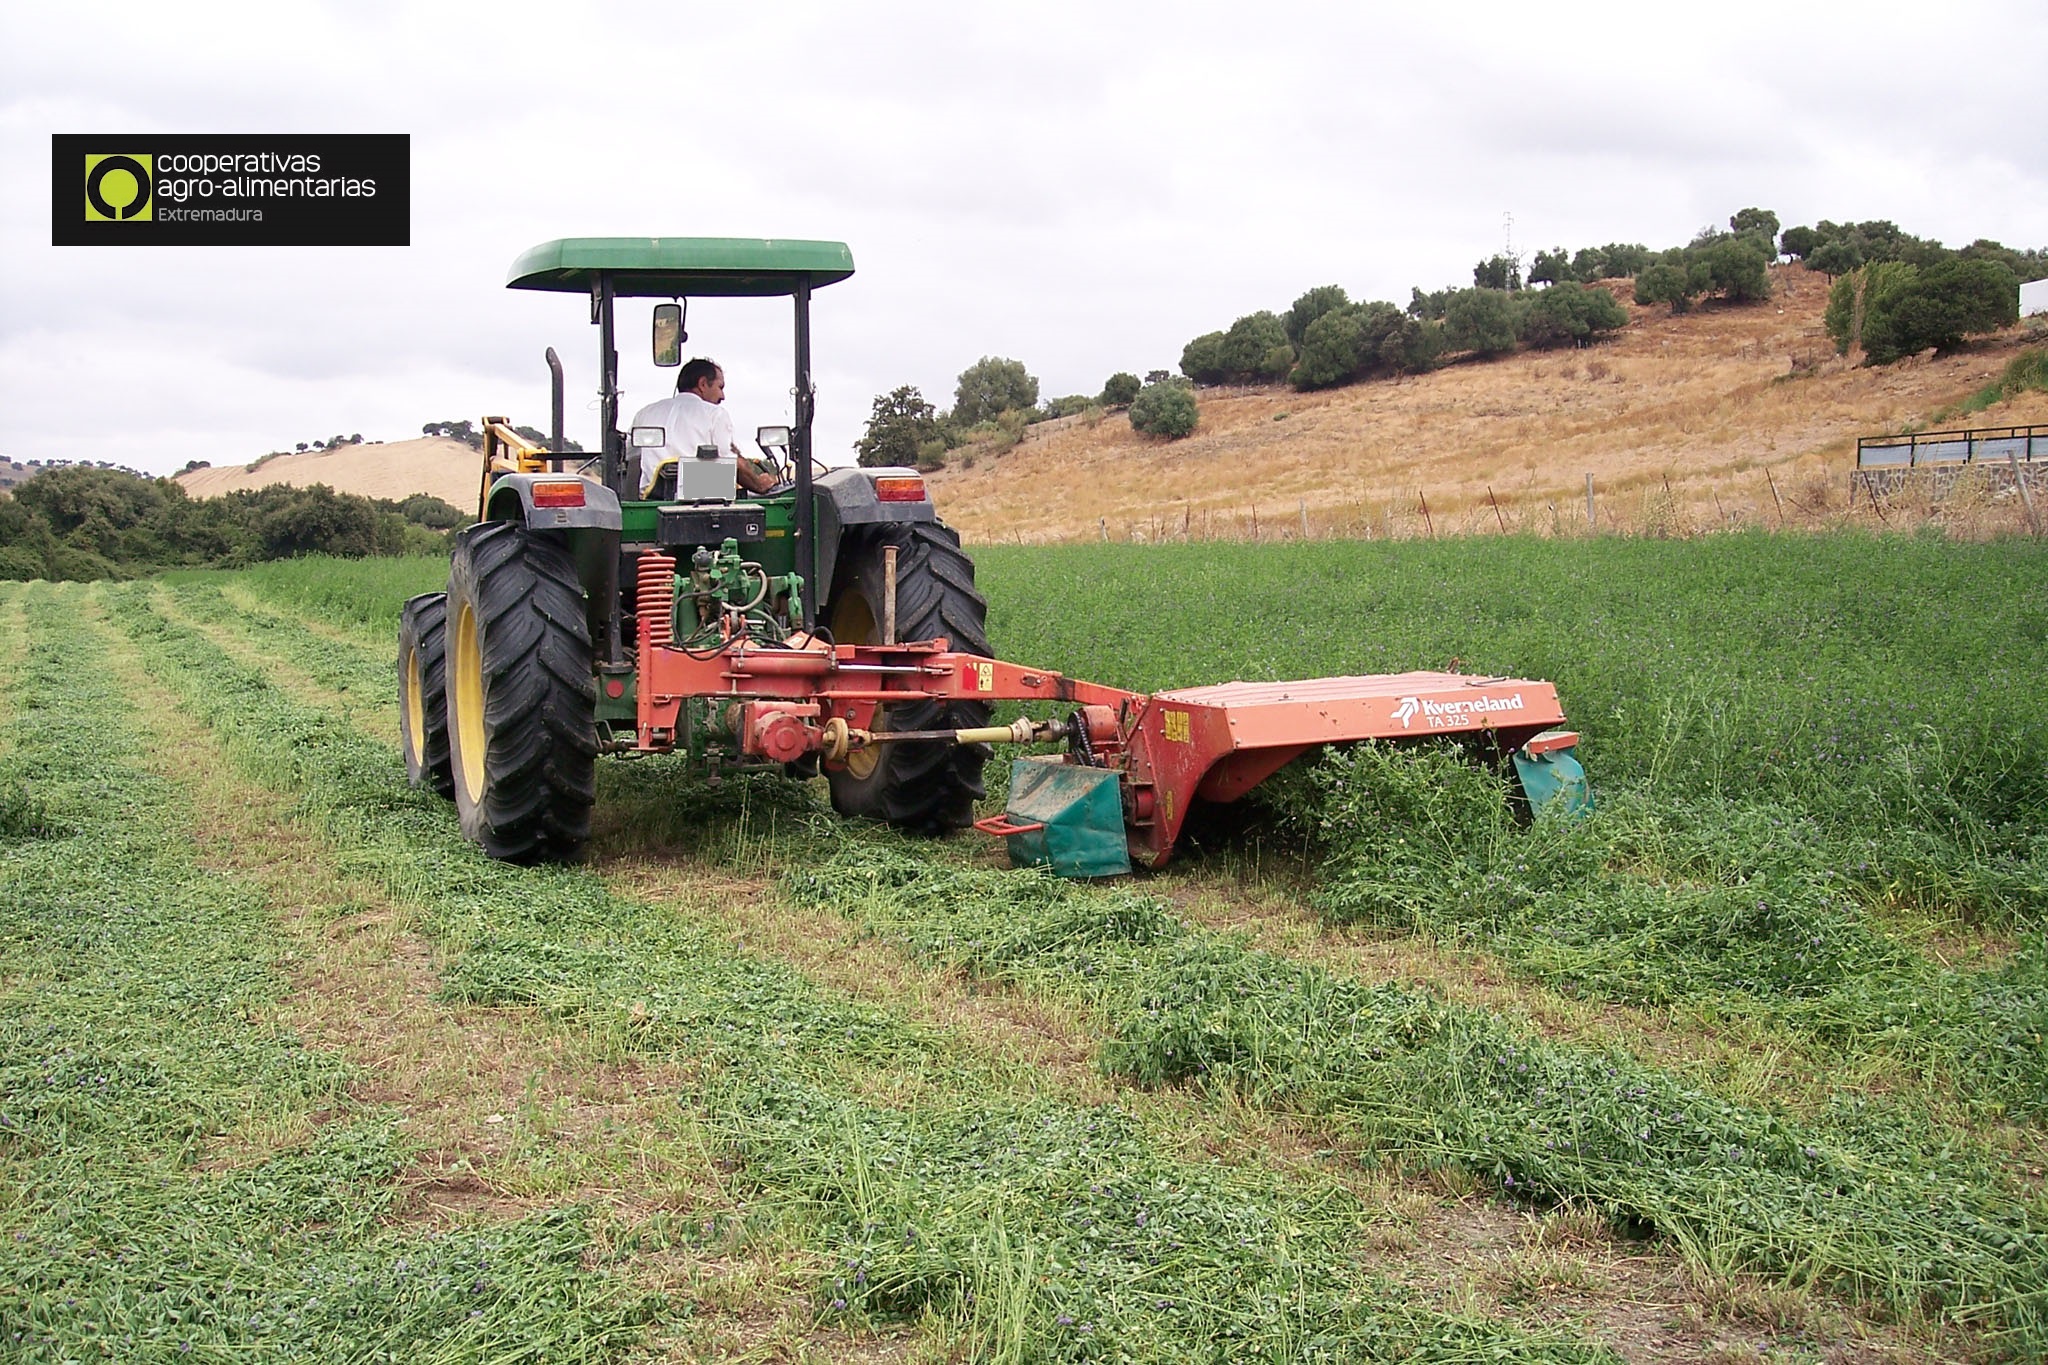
x=521 y=695
x=423 y=693
x=929 y=788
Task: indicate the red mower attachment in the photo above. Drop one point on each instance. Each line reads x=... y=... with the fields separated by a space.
x=1156 y=755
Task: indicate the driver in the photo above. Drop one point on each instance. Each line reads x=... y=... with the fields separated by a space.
x=696 y=417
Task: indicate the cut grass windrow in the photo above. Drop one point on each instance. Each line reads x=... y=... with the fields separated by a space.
x=1857 y=1201
x=187 y=1182
x=1751 y=907
x=1029 y=1228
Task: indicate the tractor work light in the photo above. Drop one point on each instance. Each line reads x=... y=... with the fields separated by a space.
x=649 y=438
x=566 y=494
x=772 y=438
x=900 y=488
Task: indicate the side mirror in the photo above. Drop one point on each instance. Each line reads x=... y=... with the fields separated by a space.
x=649 y=438
x=668 y=335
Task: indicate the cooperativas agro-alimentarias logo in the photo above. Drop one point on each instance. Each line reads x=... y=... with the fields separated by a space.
x=119 y=189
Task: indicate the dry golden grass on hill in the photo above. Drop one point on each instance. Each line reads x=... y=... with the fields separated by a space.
x=1678 y=421
x=447 y=469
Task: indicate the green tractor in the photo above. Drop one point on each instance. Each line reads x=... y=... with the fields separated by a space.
x=531 y=664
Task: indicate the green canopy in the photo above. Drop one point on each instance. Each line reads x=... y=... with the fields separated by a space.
x=698 y=267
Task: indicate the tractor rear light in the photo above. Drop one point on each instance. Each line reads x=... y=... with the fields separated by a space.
x=900 y=488
x=558 y=494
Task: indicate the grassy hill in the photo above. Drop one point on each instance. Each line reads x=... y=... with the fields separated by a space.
x=1704 y=404
x=446 y=469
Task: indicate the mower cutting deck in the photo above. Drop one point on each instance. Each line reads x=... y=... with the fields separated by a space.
x=1161 y=752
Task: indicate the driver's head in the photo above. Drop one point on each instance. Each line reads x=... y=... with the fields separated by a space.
x=703 y=378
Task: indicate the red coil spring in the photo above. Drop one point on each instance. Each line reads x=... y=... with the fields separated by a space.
x=654 y=600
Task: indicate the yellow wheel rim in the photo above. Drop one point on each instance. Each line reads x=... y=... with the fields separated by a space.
x=415 y=706
x=854 y=624
x=466 y=698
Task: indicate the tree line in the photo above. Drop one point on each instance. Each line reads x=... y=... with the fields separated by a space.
x=994 y=402
x=81 y=523
x=1891 y=293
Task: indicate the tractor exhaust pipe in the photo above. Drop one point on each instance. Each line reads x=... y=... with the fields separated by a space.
x=555 y=387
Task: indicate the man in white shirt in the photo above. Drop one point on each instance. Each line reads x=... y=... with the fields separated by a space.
x=695 y=417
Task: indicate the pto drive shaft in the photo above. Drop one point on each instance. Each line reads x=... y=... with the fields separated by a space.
x=1020 y=731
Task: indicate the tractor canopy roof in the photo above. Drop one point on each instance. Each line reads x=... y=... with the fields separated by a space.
x=665 y=267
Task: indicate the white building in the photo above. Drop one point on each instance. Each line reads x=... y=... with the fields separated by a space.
x=2034 y=298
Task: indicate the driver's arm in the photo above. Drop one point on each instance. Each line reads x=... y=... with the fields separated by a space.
x=753 y=478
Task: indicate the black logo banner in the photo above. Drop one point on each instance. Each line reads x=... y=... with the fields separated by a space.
x=332 y=189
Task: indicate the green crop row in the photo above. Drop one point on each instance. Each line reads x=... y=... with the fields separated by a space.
x=1036 y=1230
x=1859 y=1200
x=159 y=1205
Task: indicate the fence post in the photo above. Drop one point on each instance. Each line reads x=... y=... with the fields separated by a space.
x=1255 y=523
x=1304 y=518
x=1774 y=496
x=1423 y=498
x=2019 y=476
x=1102 y=523
x=1591 y=520
x=1496 y=509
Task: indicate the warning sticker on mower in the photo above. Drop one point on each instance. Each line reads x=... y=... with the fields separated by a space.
x=1452 y=715
x=1176 y=727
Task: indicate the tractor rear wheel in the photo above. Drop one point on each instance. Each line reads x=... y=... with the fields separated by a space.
x=423 y=693
x=928 y=788
x=521 y=695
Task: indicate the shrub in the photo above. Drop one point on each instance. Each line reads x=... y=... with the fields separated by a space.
x=1754 y=223
x=990 y=387
x=1429 y=307
x=1164 y=410
x=1120 y=388
x=1799 y=242
x=1551 y=267
x=1481 y=320
x=1566 y=314
x=1666 y=282
x=424 y=509
x=1498 y=272
x=1202 y=359
x=1737 y=268
x=1251 y=346
x=901 y=424
x=1851 y=298
x=1350 y=342
x=1324 y=298
x=1331 y=350
x=1938 y=307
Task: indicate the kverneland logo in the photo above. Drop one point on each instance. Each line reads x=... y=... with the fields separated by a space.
x=1442 y=713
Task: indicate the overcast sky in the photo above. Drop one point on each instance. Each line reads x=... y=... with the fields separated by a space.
x=1082 y=187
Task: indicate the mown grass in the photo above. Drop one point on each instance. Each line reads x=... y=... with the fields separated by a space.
x=927 y=1209
x=1863 y=1200
x=1741 y=906
x=1819 y=762
x=186 y=1181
